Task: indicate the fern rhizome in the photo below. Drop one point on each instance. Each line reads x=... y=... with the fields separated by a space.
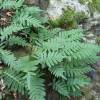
x=56 y=60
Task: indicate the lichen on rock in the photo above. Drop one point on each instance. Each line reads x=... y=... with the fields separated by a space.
x=55 y=8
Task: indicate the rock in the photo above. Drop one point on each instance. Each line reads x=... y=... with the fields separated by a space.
x=90 y=36
x=55 y=8
x=98 y=63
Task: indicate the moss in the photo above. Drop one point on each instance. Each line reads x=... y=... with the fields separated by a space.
x=98 y=40
x=94 y=5
x=69 y=19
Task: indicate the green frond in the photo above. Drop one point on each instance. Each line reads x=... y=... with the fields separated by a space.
x=27 y=20
x=5 y=32
x=58 y=71
x=8 y=4
x=36 y=87
x=11 y=4
x=74 y=84
x=7 y=57
x=14 y=80
x=32 y=10
x=67 y=45
x=45 y=34
x=54 y=44
x=66 y=40
x=19 y=3
x=26 y=65
x=88 y=51
x=71 y=47
x=74 y=71
x=69 y=87
x=16 y=40
x=72 y=35
x=60 y=87
x=50 y=58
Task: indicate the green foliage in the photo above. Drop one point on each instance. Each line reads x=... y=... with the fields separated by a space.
x=14 y=80
x=69 y=19
x=50 y=58
x=98 y=40
x=11 y=4
x=7 y=57
x=35 y=87
x=58 y=52
x=5 y=32
x=15 y=40
x=60 y=87
x=92 y=4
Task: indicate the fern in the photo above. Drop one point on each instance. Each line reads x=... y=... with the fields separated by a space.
x=75 y=84
x=9 y=30
x=32 y=10
x=11 y=4
x=24 y=64
x=50 y=58
x=71 y=71
x=45 y=34
x=26 y=20
x=60 y=87
x=54 y=59
x=13 y=80
x=15 y=40
x=58 y=71
x=73 y=56
x=7 y=57
x=35 y=87
x=72 y=35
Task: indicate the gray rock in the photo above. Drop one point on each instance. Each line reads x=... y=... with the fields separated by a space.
x=55 y=7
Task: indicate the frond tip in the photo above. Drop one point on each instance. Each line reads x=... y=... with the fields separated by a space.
x=35 y=87
x=13 y=80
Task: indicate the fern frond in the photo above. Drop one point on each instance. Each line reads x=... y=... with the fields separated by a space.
x=54 y=44
x=9 y=30
x=72 y=35
x=74 y=71
x=7 y=57
x=87 y=51
x=50 y=58
x=65 y=41
x=11 y=4
x=19 y=3
x=60 y=87
x=36 y=87
x=58 y=71
x=71 y=47
x=13 y=80
x=74 y=84
x=26 y=65
x=45 y=34
x=26 y=20
x=16 y=40
x=32 y=10
x=8 y=4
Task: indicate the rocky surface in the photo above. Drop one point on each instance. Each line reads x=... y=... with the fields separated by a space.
x=55 y=8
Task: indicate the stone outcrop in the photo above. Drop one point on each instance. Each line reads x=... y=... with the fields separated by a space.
x=55 y=8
